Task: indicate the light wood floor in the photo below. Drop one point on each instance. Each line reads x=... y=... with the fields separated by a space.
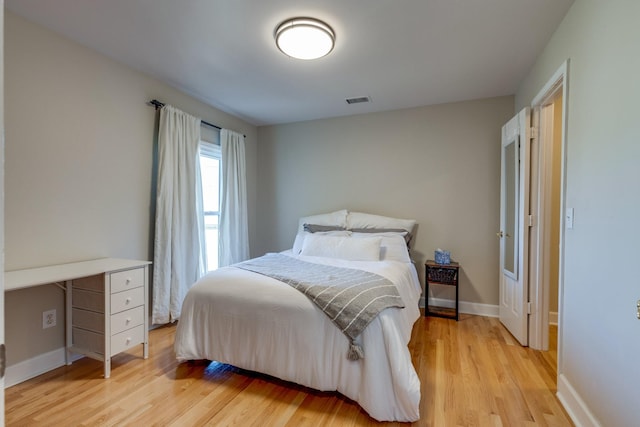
x=472 y=373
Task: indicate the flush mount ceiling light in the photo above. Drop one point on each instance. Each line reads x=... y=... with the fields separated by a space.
x=304 y=38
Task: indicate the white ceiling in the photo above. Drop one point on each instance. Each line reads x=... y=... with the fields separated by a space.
x=401 y=53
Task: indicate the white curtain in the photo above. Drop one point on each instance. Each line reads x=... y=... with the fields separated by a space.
x=234 y=236
x=179 y=247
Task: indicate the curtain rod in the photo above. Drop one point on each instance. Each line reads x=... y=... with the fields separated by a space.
x=157 y=104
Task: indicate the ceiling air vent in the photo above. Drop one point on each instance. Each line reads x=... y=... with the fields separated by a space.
x=358 y=100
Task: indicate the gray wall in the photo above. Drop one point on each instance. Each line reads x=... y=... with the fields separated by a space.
x=600 y=333
x=79 y=156
x=439 y=165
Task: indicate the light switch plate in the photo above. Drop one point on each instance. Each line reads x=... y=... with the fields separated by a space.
x=569 y=218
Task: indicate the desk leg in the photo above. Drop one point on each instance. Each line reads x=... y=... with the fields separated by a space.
x=68 y=321
x=145 y=344
x=107 y=324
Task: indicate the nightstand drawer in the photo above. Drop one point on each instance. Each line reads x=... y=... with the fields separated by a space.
x=442 y=275
x=127 y=339
x=126 y=300
x=129 y=279
x=127 y=320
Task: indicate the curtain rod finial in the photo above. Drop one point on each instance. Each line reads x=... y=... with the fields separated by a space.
x=155 y=103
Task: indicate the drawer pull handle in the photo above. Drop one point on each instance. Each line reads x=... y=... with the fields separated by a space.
x=128 y=340
x=128 y=280
x=128 y=300
x=128 y=320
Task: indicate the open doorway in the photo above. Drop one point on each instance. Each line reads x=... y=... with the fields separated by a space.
x=548 y=208
x=554 y=137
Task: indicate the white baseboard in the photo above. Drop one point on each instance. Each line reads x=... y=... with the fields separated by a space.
x=574 y=405
x=30 y=368
x=487 y=310
x=553 y=318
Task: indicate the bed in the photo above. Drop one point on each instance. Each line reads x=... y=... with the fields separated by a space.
x=255 y=322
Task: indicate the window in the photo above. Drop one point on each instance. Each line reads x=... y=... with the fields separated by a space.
x=210 y=172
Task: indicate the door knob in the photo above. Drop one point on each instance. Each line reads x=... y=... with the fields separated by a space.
x=499 y=234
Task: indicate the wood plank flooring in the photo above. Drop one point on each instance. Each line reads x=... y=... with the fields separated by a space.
x=472 y=372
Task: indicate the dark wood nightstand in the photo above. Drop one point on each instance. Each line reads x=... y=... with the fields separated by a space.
x=441 y=274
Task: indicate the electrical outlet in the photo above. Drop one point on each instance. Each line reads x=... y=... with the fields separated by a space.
x=48 y=319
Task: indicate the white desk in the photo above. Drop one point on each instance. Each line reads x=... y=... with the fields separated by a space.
x=111 y=309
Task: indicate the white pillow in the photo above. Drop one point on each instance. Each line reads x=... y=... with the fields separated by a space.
x=338 y=218
x=393 y=246
x=364 y=220
x=297 y=243
x=342 y=247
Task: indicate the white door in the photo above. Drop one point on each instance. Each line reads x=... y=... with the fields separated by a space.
x=514 y=225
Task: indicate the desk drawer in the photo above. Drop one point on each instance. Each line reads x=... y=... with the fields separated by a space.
x=127 y=320
x=129 y=279
x=127 y=339
x=126 y=300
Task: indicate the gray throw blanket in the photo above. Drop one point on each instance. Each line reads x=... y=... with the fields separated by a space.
x=351 y=298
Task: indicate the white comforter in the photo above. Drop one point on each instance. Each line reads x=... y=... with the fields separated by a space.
x=258 y=323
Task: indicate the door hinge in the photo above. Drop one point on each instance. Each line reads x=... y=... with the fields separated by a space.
x=529 y=308
x=532 y=221
x=533 y=133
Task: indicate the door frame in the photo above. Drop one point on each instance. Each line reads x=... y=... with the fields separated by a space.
x=540 y=234
x=2 y=407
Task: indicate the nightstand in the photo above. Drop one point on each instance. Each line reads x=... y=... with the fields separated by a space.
x=441 y=274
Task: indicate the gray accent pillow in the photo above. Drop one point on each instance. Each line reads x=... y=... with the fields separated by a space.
x=315 y=228
x=406 y=234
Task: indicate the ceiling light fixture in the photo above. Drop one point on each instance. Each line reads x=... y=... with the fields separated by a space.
x=304 y=38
